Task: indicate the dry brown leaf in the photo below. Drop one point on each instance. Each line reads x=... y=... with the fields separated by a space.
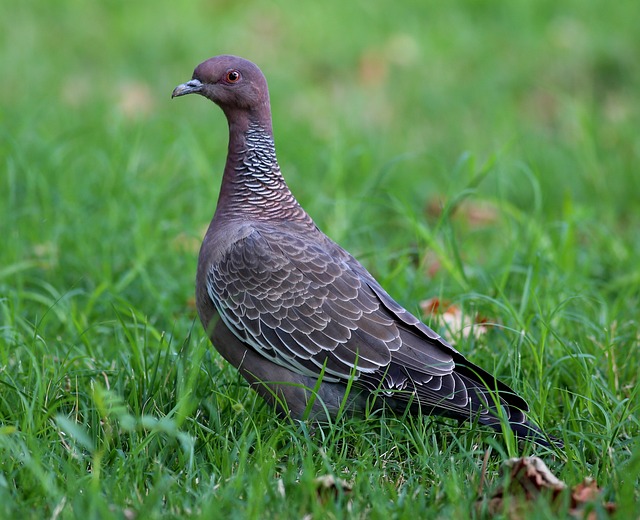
x=479 y=213
x=328 y=487
x=587 y=492
x=529 y=480
x=454 y=319
x=434 y=305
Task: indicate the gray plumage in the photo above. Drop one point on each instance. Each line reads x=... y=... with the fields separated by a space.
x=285 y=304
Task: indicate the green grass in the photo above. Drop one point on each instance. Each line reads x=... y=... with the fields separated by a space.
x=112 y=402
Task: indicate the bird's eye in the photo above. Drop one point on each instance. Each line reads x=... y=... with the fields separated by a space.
x=233 y=76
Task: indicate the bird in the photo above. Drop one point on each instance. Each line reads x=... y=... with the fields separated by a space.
x=300 y=318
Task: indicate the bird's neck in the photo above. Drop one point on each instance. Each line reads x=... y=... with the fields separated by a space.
x=252 y=185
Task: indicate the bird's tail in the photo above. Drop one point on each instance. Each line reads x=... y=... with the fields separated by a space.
x=501 y=407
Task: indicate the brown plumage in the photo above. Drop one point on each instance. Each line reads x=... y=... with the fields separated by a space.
x=285 y=304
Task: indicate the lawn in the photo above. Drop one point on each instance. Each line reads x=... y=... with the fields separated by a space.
x=481 y=153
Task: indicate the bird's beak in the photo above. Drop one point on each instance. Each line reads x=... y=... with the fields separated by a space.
x=190 y=87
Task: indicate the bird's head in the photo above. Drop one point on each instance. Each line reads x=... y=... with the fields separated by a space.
x=233 y=83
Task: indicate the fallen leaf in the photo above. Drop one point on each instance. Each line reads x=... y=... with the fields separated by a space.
x=587 y=492
x=457 y=322
x=530 y=480
x=433 y=305
x=479 y=213
x=327 y=486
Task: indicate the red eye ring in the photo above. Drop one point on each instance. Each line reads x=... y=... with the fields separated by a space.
x=233 y=76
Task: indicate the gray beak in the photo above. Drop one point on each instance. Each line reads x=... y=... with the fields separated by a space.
x=190 y=87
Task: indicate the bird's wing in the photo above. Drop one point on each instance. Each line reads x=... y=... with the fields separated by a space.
x=308 y=305
x=416 y=336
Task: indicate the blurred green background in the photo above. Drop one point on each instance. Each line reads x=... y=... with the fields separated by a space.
x=369 y=98
x=457 y=148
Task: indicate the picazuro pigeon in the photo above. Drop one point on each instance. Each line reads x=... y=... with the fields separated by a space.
x=301 y=319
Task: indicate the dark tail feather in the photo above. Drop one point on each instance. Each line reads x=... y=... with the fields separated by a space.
x=485 y=402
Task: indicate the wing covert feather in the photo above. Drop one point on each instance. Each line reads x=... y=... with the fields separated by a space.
x=307 y=305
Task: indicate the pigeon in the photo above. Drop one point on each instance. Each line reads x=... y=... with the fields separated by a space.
x=302 y=320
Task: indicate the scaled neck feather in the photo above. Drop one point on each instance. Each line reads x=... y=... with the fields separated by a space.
x=252 y=185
